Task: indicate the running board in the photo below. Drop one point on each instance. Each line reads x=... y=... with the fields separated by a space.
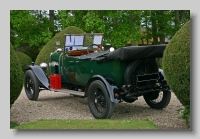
x=71 y=92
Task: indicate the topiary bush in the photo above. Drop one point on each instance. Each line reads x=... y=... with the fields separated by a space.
x=32 y=52
x=44 y=54
x=24 y=59
x=16 y=76
x=176 y=65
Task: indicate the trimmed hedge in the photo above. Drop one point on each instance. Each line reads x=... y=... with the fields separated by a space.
x=32 y=52
x=16 y=76
x=44 y=54
x=24 y=59
x=176 y=64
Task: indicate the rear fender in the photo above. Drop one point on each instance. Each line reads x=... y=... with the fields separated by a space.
x=110 y=88
x=162 y=72
x=39 y=74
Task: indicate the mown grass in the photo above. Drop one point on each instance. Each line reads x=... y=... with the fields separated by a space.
x=88 y=124
x=13 y=124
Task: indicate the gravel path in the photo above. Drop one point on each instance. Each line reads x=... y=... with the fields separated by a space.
x=57 y=105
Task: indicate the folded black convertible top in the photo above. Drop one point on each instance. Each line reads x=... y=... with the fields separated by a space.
x=137 y=52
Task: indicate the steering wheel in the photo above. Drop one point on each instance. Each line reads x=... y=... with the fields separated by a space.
x=99 y=46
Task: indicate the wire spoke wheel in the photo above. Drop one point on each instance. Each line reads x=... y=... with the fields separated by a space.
x=99 y=101
x=155 y=97
x=31 y=85
x=158 y=100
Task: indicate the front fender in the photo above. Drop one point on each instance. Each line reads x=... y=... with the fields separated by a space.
x=40 y=75
x=109 y=87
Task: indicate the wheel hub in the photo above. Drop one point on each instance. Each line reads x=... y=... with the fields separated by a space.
x=95 y=101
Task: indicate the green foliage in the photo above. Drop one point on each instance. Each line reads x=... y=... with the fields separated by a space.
x=13 y=124
x=16 y=76
x=89 y=124
x=29 y=27
x=118 y=26
x=44 y=54
x=32 y=52
x=72 y=18
x=93 y=22
x=34 y=28
x=186 y=115
x=121 y=27
x=176 y=64
x=24 y=59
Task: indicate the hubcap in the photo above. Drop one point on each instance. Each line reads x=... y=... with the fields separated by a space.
x=99 y=103
x=29 y=86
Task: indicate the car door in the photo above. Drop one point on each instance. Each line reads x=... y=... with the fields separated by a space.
x=83 y=70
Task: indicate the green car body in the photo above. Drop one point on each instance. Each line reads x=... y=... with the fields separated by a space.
x=104 y=77
x=80 y=71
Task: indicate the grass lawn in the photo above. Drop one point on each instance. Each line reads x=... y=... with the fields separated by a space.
x=87 y=124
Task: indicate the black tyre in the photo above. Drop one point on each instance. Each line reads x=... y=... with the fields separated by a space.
x=136 y=68
x=99 y=102
x=31 y=85
x=157 y=100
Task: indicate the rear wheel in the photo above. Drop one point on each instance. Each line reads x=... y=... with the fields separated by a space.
x=158 y=100
x=31 y=85
x=99 y=102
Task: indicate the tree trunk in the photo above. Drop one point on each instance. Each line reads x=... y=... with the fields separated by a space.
x=147 y=31
x=154 y=27
x=51 y=18
x=177 y=20
x=161 y=27
x=133 y=42
x=179 y=14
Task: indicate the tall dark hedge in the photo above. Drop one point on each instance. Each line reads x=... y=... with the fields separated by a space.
x=16 y=76
x=44 y=54
x=32 y=52
x=176 y=65
x=24 y=59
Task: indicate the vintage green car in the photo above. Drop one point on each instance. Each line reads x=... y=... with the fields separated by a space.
x=105 y=77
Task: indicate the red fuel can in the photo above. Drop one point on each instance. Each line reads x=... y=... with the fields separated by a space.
x=55 y=81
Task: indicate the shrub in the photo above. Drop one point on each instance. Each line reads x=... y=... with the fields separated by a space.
x=24 y=59
x=16 y=76
x=176 y=65
x=32 y=52
x=44 y=54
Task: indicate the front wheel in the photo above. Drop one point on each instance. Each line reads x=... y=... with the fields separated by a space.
x=31 y=85
x=157 y=100
x=99 y=102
